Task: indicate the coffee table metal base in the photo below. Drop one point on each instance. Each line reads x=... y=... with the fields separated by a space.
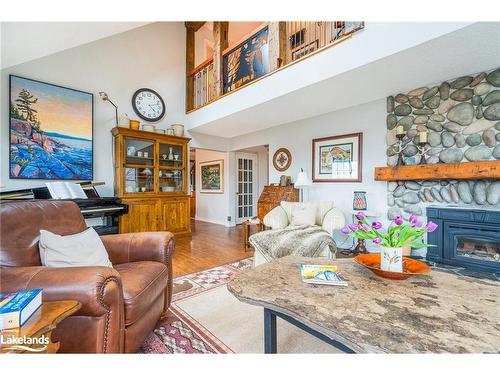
x=270 y=334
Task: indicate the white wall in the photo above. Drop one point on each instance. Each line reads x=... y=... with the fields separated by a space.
x=297 y=137
x=330 y=81
x=150 y=56
x=211 y=207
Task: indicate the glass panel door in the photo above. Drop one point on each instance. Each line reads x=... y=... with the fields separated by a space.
x=245 y=188
x=172 y=168
x=171 y=181
x=139 y=180
x=139 y=152
x=171 y=155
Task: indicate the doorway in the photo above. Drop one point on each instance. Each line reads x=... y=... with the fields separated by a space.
x=246 y=186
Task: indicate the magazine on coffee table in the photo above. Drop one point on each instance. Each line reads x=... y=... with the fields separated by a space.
x=322 y=274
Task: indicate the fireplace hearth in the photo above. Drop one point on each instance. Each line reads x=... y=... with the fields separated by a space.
x=465 y=237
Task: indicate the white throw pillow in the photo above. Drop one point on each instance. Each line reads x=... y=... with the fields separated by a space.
x=76 y=250
x=303 y=215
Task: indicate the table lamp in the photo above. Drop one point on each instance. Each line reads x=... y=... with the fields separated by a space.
x=302 y=182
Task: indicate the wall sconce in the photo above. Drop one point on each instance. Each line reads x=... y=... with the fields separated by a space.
x=105 y=98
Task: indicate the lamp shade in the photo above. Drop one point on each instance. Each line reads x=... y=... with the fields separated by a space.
x=302 y=180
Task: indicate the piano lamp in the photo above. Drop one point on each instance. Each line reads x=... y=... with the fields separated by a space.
x=302 y=182
x=105 y=98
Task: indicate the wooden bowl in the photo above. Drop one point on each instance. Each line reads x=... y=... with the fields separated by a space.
x=411 y=267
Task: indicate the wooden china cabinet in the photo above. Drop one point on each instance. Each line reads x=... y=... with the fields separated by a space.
x=151 y=177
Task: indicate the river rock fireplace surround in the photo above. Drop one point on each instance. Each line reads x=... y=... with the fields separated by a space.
x=466 y=237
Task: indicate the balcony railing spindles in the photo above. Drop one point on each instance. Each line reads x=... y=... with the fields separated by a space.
x=301 y=38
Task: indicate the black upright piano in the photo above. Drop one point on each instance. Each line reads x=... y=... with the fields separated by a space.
x=101 y=213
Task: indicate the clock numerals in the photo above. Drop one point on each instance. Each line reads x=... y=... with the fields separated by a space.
x=148 y=105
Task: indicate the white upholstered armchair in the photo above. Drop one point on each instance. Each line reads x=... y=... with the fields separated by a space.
x=327 y=216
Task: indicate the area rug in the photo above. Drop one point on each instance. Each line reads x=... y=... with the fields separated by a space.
x=205 y=318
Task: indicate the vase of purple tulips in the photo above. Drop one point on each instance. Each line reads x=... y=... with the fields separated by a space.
x=398 y=235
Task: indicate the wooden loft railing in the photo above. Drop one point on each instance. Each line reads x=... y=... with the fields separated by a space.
x=270 y=48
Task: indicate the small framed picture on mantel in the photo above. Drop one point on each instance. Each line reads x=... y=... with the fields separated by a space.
x=338 y=158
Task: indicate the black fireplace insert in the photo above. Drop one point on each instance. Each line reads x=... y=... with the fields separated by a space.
x=465 y=237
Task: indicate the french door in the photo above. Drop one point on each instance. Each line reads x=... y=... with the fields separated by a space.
x=246 y=187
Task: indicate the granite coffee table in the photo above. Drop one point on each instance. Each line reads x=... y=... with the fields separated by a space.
x=438 y=313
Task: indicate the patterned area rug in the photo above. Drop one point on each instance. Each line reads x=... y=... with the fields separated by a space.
x=181 y=333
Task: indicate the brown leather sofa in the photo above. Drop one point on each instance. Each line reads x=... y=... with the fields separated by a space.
x=120 y=305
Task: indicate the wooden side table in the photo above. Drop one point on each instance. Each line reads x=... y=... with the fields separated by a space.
x=39 y=325
x=247 y=229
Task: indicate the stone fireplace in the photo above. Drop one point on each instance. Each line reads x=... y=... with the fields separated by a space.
x=466 y=237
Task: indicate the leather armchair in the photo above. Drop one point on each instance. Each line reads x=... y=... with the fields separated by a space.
x=120 y=305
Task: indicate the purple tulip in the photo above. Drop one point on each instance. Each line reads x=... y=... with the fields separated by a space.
x=376 y=225
x=377 y=240
x=353 y=227
x=414 y=221
x=365 y=227
x=346 y=230
x=430 y=226
x=398 y=220
x=360 y=216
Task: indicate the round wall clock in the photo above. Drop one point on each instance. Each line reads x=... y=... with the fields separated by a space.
x=148 y=105
x=282 y=159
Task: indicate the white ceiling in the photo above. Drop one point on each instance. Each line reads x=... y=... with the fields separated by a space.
x=25 y=41
x=468 y=50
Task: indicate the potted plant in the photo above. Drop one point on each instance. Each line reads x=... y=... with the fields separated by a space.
x=399 y=234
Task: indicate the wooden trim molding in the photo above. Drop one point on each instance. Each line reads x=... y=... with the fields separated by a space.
x=489 y=169
x=201 y=66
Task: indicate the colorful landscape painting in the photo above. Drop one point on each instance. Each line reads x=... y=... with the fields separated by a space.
x=50 y=131
x=248 y=61
x=331 y=155
x=212 y=173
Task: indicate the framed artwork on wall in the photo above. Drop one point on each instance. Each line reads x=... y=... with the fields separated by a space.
x=246 y=62
x=212 y=177
x=338 y=158
x=282 y=159
x=51 y=131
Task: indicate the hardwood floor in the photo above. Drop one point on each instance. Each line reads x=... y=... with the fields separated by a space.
x=211 y=245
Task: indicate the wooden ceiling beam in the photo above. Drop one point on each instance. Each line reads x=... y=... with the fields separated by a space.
x=194 y=25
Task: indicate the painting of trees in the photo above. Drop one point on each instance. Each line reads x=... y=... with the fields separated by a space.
x=25 y=102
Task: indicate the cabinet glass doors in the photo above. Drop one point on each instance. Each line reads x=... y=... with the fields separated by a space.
x=153 y=166
x=139 y=166
x=171 y=168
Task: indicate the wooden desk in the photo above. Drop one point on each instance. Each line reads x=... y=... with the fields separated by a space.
x=437 y=313
x=40 y=324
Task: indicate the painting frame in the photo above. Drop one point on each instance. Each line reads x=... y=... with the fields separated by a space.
x=234 y=75
x=338 y=158
x=219 y=188
x=75 y=177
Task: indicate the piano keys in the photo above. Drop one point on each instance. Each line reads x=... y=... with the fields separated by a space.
x=101 y=213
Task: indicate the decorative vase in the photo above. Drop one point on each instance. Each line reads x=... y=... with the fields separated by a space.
x=170 y=154
x=359 y=200
x=178 y=130
x=124 y=121
x=134 y=124
x=391 y=259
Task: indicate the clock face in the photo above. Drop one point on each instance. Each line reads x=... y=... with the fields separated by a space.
x=148 y=105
